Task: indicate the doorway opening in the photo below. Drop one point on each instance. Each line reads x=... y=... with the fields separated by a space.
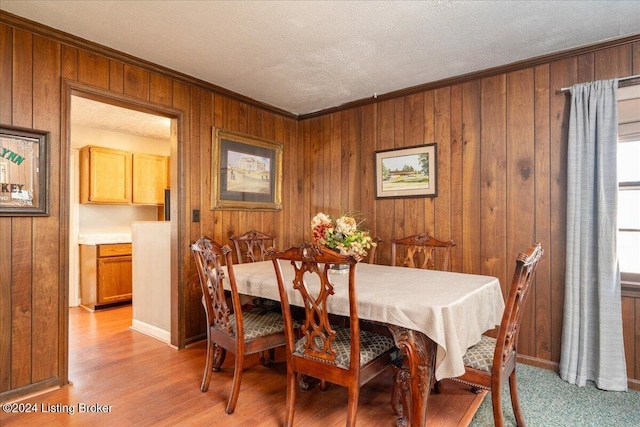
x=100 y=118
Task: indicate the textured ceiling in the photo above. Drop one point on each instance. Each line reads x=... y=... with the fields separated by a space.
x=86 y=112
x=305 y=56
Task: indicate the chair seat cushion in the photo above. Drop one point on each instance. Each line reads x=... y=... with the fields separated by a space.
x=259 y=322
x=371 y=346
x=480 y=356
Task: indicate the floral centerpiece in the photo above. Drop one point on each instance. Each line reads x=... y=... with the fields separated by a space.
x=342 y=235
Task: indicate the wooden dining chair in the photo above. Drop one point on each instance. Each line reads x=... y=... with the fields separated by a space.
x=252 y=246
x=425 y=247
x=240 y=332
x=492 y=361
x=346 y=356
x=372 y=250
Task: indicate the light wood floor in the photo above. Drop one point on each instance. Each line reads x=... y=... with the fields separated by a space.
x=144 y=382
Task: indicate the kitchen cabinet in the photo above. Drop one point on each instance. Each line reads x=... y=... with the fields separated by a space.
x=105 y=175
x=149 y=179
x=109 y=176
x=105 y=274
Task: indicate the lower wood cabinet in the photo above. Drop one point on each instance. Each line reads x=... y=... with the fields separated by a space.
x=105 y=274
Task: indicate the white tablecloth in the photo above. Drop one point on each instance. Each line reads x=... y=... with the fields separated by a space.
x=452 y=309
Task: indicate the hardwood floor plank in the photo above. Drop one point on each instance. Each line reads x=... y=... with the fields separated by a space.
x=144 y=382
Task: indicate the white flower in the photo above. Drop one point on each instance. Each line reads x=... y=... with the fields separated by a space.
x=346 y=225
x=343 y=234
x=319 y=219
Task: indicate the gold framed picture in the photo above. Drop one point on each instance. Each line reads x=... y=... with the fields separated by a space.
x=246 y=172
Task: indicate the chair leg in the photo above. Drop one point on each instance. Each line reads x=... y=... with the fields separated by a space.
x=496 y=401
x=515 y=401
x=208 y=366
x=306 y=382
x=218 y=357
x=267 y=359
x=352 y=406
x=235 y=387
x=290 y=404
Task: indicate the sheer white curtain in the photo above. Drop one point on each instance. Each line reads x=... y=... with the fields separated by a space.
x=592 y=345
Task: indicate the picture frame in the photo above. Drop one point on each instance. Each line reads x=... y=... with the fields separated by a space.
x=407 y=172
x=246 y=172
x=24 y=172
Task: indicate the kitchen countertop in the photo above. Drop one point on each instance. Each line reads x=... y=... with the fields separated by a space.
x=104 y=238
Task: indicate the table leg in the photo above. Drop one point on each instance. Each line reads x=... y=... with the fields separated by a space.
x=414 y=376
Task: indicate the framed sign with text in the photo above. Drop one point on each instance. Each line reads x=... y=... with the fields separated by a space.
x=23 y=172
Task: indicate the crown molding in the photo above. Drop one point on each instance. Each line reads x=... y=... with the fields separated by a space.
x=476 y=75
x=80 y=43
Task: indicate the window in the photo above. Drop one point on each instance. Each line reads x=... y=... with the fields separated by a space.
x=629 y=184
x=629 y=210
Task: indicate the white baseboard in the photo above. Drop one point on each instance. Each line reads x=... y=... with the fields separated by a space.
x=152 y=331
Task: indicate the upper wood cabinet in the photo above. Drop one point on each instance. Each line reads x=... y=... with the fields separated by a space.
x=109 y=176
x=149 y=179
x=105 y=175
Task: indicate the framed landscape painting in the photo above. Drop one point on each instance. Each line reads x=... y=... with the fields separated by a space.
x=407 y=172
x=246 y=172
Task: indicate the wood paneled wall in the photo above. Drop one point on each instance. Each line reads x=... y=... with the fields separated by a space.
x=500 y=173
x=36 y=64
x=501 y=178
x=208 y=110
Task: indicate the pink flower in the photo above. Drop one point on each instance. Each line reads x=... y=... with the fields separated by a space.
x=343 y=234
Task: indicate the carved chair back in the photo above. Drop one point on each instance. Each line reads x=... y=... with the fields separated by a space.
x=231 y=329
x=372 y=251
x=506 y=342
x=423 y=251
x=252 y=246
x=314 y=260
x=493 y=361
x=209 y=258
x=327 y=352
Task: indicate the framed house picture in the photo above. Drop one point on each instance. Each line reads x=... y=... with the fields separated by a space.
x=407 y=172
x=23 y=172
x=246 y=172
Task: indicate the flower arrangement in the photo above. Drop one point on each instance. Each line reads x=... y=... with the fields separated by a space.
x=341 y=235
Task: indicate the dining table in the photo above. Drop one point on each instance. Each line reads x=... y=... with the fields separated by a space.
x=433 y=316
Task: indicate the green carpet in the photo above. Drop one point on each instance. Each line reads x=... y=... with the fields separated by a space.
x=548 y=401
